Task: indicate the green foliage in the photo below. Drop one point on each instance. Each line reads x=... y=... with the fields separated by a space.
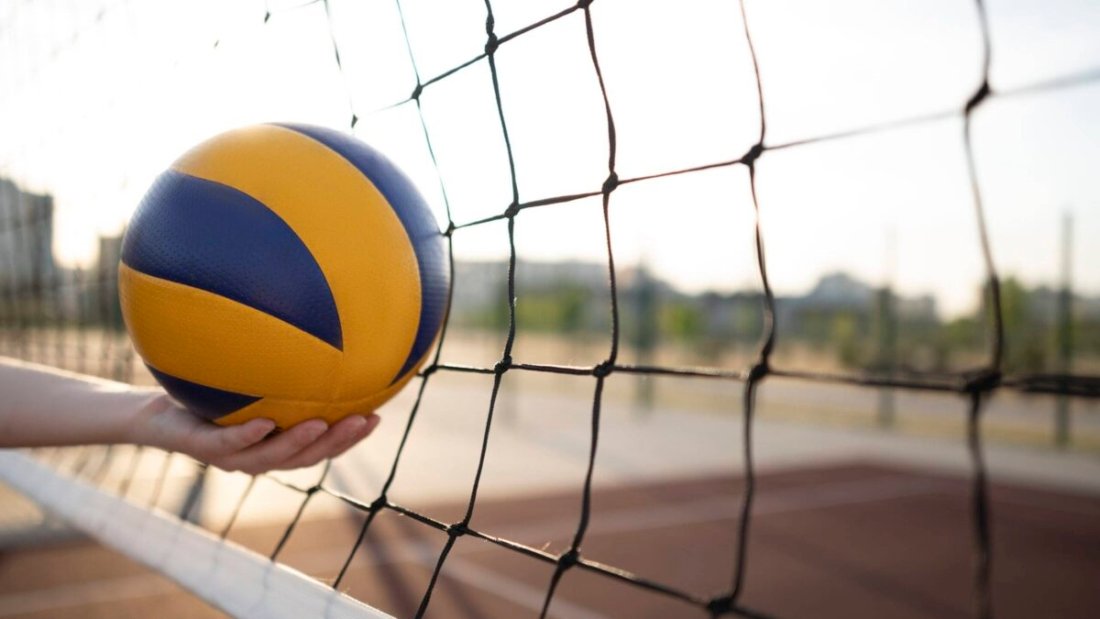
x=1026 y=340
x=681 y=321
x=572 y=305
x=876 y=336
x=748 y=321
x=844 y=335
x=564 y=308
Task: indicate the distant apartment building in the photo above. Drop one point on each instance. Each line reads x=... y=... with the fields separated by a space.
x=26 y=239
x=105 y=293
x=33 y=287
x=1044 y=303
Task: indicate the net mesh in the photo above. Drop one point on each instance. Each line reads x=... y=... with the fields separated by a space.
x=39 y=324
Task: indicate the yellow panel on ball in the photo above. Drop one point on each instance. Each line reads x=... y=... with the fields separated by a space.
x=283 y=271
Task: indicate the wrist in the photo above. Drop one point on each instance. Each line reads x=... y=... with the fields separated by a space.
x=138 y=426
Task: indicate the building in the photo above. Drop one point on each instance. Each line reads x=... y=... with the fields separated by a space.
x=26 y=240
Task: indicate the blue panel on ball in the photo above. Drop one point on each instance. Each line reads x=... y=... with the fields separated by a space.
x=214 y=237
x=413 y=211
x=207 y=402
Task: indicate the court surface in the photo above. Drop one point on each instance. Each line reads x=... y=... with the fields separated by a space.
x=849 y=520
x=855 y=539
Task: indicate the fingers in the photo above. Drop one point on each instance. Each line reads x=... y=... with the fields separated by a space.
x=235 y=438
x=338 y=439
x=372 y=423
x=270 y=453
x=303 y=445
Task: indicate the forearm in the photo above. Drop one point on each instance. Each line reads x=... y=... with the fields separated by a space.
x=42 y=406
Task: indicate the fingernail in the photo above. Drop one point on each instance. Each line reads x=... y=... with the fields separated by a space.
x=267 y=424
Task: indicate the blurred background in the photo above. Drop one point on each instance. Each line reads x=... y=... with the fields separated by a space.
x=867 y=195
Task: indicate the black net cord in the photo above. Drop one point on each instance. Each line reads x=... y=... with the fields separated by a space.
x=760 y=369
x=339 y=63
x=20 y=290
x=572 y=556
x=460 y=528
x=160 y=479
x=756 y=376
x=9 y=319
x=309 y=493
x=131 y=471
x=986 y=381
x=381 y=501
x=980 y=509
x=224 y=533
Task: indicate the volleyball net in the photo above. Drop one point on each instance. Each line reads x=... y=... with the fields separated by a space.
x=595 y=169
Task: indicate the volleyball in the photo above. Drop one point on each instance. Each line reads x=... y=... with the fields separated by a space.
x=283 y=271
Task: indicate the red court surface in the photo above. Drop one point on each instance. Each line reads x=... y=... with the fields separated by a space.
x=853 y=540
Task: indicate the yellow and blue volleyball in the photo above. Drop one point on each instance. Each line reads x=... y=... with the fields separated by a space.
x=286 y=272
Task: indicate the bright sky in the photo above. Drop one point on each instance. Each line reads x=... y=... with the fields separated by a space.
x=93 y=119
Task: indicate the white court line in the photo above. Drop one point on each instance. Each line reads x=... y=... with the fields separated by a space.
x=624 y=520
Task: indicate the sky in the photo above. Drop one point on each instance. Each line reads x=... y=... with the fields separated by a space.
x=93 y=106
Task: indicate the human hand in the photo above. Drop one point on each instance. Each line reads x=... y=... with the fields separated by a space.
x=246 y=447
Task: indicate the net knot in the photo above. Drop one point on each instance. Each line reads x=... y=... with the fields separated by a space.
x=267 y=16
x=603 y=370
x=512 y=210
x=978 y=97
x=758 y=371
x=419 y=90
x=611 y=183
x=428 y=371
x=354 y=120
x=378 y=504
x=752 y=154
x=492 y=44
x=450 y=231
x=982 y=381
x=458 y=529
x=569 y=559
x=503 y=365
x=584 y=4
x=720 y=605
